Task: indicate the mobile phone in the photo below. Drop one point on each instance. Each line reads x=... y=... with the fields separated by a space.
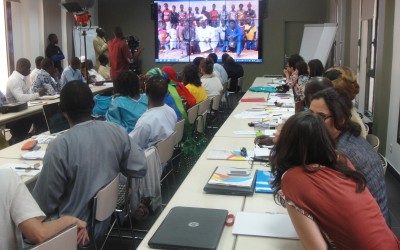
x=239 y=172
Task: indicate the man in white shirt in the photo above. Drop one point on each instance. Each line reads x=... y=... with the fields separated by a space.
x=159 y=121
x=206 y=36
x=19 y=213
x=18 y=90
x=35 y=71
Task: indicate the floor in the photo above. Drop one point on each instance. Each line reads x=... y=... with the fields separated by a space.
x=168 y=190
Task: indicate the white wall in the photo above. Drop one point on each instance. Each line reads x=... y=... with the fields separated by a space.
x=27 y=26
x=392 y=147
x=3 y=49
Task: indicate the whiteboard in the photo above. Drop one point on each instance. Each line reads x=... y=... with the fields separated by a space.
x=79 y=44
x=317 y=41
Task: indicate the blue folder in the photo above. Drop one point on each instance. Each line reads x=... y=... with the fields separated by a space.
x=263 y=180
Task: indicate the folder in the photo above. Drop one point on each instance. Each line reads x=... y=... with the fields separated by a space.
x=263 y=182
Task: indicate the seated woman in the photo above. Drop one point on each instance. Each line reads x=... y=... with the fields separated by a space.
x=211 y=82
x=172 y=98
x=315 y=68
x=128 y=105
x=191 y=79
x=303 y=77
x=333 y=208
x=290 y=70
x=180 y=88
x=343 y=78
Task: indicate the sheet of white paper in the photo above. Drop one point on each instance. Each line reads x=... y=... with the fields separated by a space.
x=244 y=132
x=264 y=224
x=33 y=155
x=49 y=97
x=35 y=103
x=261 y=151
x=20 y=172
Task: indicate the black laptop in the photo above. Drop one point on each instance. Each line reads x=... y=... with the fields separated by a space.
x=56 y=122
x=190 y=228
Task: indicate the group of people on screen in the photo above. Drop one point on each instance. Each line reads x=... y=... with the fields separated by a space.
x=198 y=32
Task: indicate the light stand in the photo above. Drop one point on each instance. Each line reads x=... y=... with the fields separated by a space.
x=85 y=49
x=82 y=17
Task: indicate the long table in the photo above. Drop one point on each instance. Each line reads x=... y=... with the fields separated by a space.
x=6 y=118
x=191 y=193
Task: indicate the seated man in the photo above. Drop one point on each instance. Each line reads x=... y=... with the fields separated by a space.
x=72 y=72
x=159 y=121
x=45 y=79
x=18 y=90
x=93 y=74
x=34 y=73
x=234 y=36
x=21 y=214
x=104 y=69
x=79 y=162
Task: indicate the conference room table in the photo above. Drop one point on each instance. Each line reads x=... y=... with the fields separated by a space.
x=37 y=108
x=12 y=155
x=191 y=194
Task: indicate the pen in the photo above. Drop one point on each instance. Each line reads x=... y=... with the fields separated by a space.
x=27 y=168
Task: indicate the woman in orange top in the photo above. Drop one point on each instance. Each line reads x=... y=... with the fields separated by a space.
x=327 y=200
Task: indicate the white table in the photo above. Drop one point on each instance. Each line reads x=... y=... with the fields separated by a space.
x=190 y=193
x=6 y=118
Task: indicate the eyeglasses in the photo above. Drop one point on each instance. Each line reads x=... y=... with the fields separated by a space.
x=322 y=115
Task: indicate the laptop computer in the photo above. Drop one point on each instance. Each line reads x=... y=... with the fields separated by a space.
x=190 y=228
x=56 y=122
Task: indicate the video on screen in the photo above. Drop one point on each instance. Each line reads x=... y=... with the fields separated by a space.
x=188 y=29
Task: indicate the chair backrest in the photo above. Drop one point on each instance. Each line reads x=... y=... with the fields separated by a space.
x=228 y=84
x=204 y=106
x=201 y=122
x=192 y=113
x=215 y=102
x=179 y=131
x=165 y=148
x=374 y=141
x=65 y=239
x=384 y=163
x=106 y=200
x=240 y=82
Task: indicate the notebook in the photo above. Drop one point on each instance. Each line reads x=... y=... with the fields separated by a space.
x=264 y=224
x=56 y=122
x=190 y=228
x=231 y=181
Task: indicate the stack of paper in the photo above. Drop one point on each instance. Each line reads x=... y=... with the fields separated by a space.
x=33 y=155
